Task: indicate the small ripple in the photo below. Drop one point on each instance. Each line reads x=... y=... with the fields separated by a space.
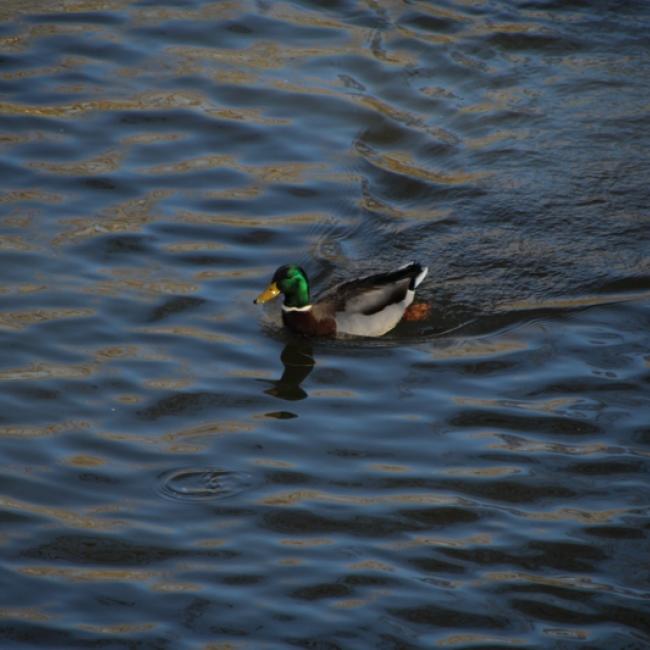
x=202 y=484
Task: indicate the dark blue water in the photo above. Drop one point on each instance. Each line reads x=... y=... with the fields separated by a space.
x=177 y=471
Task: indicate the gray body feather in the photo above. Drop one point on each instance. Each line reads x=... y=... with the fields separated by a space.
x=373 y=305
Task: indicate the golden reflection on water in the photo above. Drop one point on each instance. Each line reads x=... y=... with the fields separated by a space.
x=408 y=119
x=117 y=352
x=303 y=218
x=371 y=565
x=476 y=348
x=272 y=462
x=24 y=288
x=193 y=439
x=223 y=10
x=580 y=582
x=479 y=639
x=266 y=56
x=35 y=431
x=171 y=587
x=203 y=276
x=337 y=393
x=152 y=138
x=567 y=633
x=14 y=243
x=479 y=539
x=290 y=172
x=169 y=383
x=373 y=204
x=549 y=406
x=294 y=497
x=24 y=614
x=128 y=216
x=351 y=603
x=577 y=515
x=285 y=12
x=501 y=100
x=19 y=320
x=307 y=543
x=117 y=628
x=402 y=163
x=443 y=12
x=61 y=516
x=430 y=37
x=225 y=645
x=72 y=574
x=194 y=246
x=210 y=429
x=82 y=460
x=73 y=110
x=128 y=399
x=496 y=136
x=519 y=443
x=250 y=116
x=132 y=282
x=16 y=196
x=38 y=371
x=391 y=469
x=193 y=333
x=491 y=472
x=211 y=543
x=105 y=163
x=49 y=371
x=235 y=193
x=575 y=302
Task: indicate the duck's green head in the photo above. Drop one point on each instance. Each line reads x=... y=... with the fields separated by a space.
x=291 y=280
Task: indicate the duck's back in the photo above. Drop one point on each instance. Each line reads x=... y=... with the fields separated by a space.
x=373 y=305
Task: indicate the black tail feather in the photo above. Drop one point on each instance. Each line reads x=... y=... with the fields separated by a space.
x=411 y=270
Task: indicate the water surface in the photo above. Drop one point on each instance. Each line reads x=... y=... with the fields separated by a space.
x=177 y=471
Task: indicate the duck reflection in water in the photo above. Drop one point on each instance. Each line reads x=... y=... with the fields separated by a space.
x=298 y=360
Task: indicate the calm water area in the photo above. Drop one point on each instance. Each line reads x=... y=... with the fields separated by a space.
x=179 y=472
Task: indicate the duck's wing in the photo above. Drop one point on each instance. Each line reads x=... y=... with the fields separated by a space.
x=373 y=293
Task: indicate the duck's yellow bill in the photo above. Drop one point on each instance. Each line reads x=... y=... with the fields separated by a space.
x=272 y=291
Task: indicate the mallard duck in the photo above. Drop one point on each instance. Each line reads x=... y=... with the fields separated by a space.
x=368 y=306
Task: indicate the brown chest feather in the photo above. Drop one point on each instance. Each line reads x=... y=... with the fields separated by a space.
x=304 y=322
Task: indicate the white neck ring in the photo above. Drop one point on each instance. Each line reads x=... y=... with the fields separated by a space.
x=305 y=308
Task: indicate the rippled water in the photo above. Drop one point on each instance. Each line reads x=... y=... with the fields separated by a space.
x=178 y=472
